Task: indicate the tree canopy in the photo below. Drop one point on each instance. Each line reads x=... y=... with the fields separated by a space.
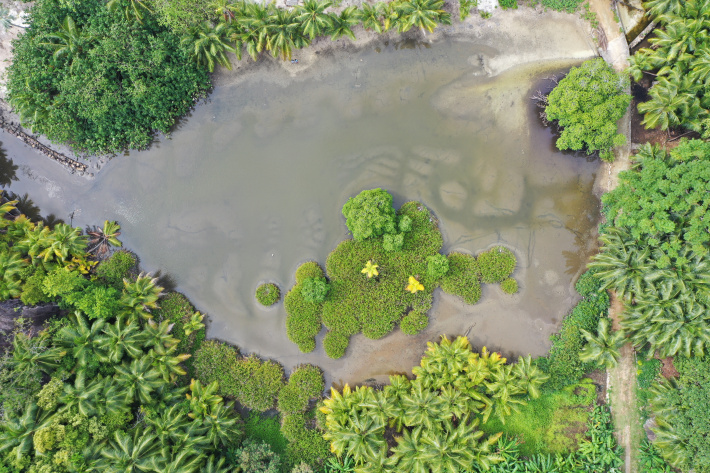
x=587 y=103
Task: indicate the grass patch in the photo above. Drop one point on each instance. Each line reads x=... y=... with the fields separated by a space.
x=266 y=429
x=268 y=294
x=553 y=423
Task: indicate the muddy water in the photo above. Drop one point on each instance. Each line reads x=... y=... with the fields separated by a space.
x=251 y=185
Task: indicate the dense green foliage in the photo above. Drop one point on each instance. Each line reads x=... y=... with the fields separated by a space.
x=509 y=286
x=680 y=406
x=569 y=6
x=116 y=268
x=436 y=415
x=268 y=294
x=678 y=62
x=90 y=77
x=371 y=287
x=587 y=103
x=656 y=254
x=564 y=363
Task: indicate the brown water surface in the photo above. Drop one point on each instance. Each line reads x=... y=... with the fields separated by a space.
x=251 y=185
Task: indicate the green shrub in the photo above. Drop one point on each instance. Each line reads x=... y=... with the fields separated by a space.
x=393 y=241
x=463 y=278
x=97 y=302
x=310 y=269
x=569 y=6
x=292 y=426
x=506 y=4
x=496 y=264
x=509 y=286
x=32 y=293
x=215 y=361
x=60 y=282
x=292 y=400
x=587 y=103
x=414 y=322
x=314 y=289
x=405 y=223
x=257 y=382
x=335 y=344
x=304 y=318
x=176 y=308
x=265 y=429
x=302 y=467
x=307 y=447
x=268 y=294
x=120 y=265
x=437 y=266
x=588 y=285
x=309 y=380
x=257 y=457
x=370 y=214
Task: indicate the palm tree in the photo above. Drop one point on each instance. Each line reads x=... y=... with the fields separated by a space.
x=390 y=15
x=169 y=425
x=423 y=14
x=372 y=17
x=256 y=23
x=34 y=241
x=203 y=399
x=100 y=239
x=129 y=454
x=530 y=377
x=81 y=338
x=30 y=352
x=158 y=334
x=208 y=45
x=185 y=460
x=423 y=407
x=602 y=348
x=444 y=362
x=656 y=8
x=64 y=242
x=139 y=379
x=11 y=263
x=140 y=296
x=81 y=397
x=69 y=41
x=667 y=107
x=222 y=8
x=168 y=364
x=282 y=31
x=407 y=455
x=124 y=337
x=312 y=17
x=194 y=324
x=17 y=432
x=344 y=22
x=6 y=19
x=132 y=9
x=504 y=386
x=221 y=428
x=362 y=438
x=216 y=465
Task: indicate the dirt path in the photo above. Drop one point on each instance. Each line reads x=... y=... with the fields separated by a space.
x=622 y=378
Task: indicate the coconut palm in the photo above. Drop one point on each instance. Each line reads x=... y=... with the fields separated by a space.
x=129 y=453
x=371 y=16
x=423 y=407
x=216 y=465
x=208 y=45
x=123 y=337
x=407 y=455
x=33 y=240
x=194 y=324
x=131 y=9
x=657 y=8
x=82 y=339
x=390 y=15
x=667 y=107
x=361 y=438
x=203 y=399
x=17 y=432
x=167 y=363
x=282 y=31
x=222 y=8
x=530 y=377
x=138 y=379
x=504 y=387
x=221 y=427
x=113 y=400
x=168 y=425
x=64 y=242
x=69 y=41
x=141 y=295
x=444 y=362
x=158 y=335
x=101 y=239
x=11 y=263
x=422 y=14
x=34 y=352
x=313 y=18
x=256 y=21
x=82 y=396
x=344 y=23
x=602 y=348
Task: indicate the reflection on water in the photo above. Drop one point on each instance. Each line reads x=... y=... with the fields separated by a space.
x=252 y=185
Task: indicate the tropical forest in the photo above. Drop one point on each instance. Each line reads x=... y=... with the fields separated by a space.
x=354 y=236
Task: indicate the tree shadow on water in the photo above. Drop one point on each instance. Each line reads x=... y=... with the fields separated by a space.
x=8 y=169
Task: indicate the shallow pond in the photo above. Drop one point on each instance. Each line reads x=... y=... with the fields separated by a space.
x=252 y=184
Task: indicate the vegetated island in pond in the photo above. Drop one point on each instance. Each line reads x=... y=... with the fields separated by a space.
x=386 y=274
